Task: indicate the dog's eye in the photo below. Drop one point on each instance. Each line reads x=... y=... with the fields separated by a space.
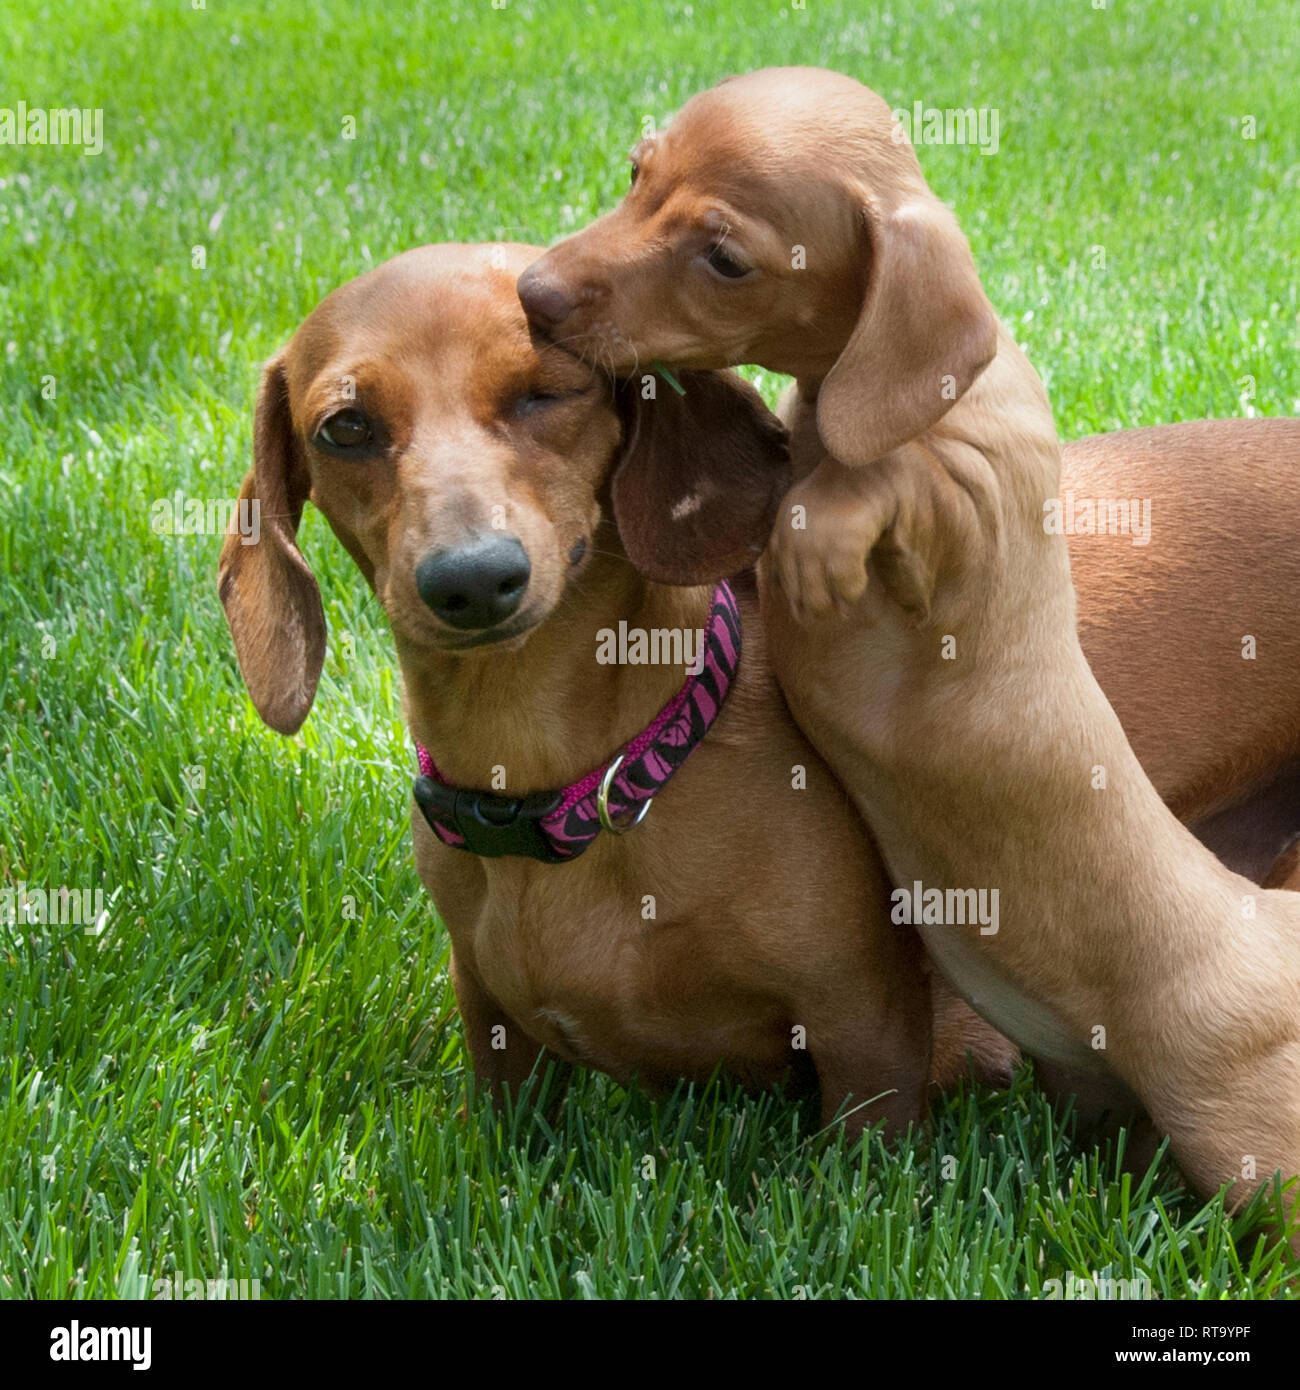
x=346 y=429
x=723 y=263
x=636 y=169
x=534 y=402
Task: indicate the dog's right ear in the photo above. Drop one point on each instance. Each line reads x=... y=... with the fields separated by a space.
x=270 y=595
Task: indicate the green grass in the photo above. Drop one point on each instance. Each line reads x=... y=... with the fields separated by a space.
x=256 y=1070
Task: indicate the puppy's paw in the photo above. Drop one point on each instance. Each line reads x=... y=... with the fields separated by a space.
x=825 y=531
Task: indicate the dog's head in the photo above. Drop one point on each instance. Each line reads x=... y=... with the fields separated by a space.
x=466 y=468
x=781 y=219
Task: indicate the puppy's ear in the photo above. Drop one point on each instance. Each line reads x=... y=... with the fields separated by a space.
x=270 y=596
x=700 y=477
x=924 y=333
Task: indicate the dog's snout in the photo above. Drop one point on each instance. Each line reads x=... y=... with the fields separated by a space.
x=546 y=302
x=475 y=586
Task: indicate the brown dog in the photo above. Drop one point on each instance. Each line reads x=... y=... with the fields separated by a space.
x=937 y=667
x=469 y=476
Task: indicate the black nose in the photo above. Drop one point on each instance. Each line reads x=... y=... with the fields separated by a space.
x=476 y=585
x=545 y=303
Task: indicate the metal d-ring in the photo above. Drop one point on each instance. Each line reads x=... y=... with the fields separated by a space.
x=602 y=802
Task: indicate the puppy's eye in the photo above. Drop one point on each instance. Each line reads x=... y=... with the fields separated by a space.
x=725 y=266
x=346 y=429
x=636 y=169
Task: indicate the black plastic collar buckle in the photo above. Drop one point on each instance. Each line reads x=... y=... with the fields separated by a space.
x=493 y=826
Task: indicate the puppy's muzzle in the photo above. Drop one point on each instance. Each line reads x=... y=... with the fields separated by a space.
x=476 y=585
x=546 y=301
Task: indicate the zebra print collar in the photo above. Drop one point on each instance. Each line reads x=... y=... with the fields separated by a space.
x=557 y=826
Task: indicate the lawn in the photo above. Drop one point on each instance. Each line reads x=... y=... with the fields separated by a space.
x=251 y=1067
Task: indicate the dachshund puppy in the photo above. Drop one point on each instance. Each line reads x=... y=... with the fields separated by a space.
x=922 y=618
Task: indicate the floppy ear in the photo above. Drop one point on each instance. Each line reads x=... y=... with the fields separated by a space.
x=925 y=332
x=701 y=474
x=270 y=596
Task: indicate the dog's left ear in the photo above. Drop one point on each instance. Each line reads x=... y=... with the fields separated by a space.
x=700 y=477
x=924 y=333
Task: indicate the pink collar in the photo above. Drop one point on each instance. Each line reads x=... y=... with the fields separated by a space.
x=558 y=826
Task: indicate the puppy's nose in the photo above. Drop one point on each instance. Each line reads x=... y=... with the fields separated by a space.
x=545 y=302
x=475 y=586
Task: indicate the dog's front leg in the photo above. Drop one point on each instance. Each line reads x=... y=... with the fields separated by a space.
x=503 y=1055
x=1102 y=1106
x=869 y=1033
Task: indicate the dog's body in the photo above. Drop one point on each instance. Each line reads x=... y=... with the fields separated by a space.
x=1218 y=729
x=741 y=924
x=921 y=614
x=729 y=929
x=770 y=912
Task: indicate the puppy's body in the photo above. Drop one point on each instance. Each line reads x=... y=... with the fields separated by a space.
x=984 y=755
x=922 y=618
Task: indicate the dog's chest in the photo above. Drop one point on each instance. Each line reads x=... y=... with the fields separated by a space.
x=624 y=994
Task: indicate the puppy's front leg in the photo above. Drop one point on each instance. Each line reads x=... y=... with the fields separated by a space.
x=838 y=522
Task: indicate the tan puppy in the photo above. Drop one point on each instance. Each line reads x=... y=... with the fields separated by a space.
x=938 y=667
x=470 y=475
